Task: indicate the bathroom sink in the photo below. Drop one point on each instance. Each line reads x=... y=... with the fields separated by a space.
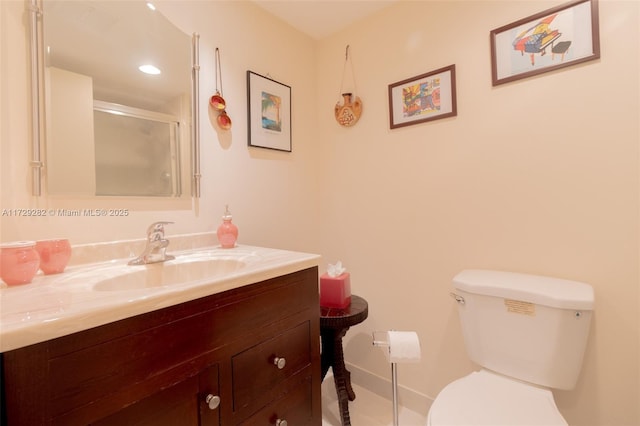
x=169 y=273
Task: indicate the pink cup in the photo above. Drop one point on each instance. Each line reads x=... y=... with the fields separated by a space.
x=19 y=262
x=54 y=255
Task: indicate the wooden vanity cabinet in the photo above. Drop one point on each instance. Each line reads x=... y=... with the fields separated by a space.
x=256 y=348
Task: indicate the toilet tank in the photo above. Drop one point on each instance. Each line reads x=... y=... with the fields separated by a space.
x=529 y=327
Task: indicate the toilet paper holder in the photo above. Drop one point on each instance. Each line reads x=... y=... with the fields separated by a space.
x=381 y=339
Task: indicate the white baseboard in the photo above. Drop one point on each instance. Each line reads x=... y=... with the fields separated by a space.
x=409 y=398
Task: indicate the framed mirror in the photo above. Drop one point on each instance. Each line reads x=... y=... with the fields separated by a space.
x=118 y=91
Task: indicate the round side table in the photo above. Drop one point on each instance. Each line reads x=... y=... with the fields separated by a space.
x=334 y=324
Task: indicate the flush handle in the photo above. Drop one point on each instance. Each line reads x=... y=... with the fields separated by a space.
x=458 y=298
x=281 y=422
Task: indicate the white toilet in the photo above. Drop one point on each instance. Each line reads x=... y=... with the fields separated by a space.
x=528 y=333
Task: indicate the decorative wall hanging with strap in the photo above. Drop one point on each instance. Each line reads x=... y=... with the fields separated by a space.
x=349 y=109
x=217 y=102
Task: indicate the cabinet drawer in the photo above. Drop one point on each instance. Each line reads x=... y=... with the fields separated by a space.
x=256 y=373
x=295 y=407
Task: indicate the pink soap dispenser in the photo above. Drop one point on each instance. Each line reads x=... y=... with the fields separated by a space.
x=227 y=231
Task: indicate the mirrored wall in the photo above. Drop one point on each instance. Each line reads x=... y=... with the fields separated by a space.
x=119 y=87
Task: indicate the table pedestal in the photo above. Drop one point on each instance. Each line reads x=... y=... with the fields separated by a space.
x=334 y=324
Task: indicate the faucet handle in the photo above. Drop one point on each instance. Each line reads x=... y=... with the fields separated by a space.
x=157 y=228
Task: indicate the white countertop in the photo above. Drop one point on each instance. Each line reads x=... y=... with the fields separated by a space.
x=57 y=305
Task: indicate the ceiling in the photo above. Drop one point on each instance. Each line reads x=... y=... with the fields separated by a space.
x=322 y=18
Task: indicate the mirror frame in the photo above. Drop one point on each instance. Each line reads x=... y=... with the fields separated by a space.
x=37 y=106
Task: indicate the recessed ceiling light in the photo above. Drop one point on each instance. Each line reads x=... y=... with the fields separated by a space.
x=151 y=6
x=149 y=69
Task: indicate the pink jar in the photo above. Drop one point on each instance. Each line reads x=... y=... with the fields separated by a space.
x=19 y=262
x=227 y=232
x=54 y=255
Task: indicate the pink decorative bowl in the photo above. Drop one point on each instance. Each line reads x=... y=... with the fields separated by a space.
x=19 y=262
x=54 y=255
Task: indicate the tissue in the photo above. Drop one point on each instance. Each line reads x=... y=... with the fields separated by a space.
x=335 y=287
x=404 y=347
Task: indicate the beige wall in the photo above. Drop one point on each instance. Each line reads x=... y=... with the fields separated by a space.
x=71 y=127
x=537 y=176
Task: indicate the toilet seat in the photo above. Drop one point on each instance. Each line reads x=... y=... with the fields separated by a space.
x=486 y=398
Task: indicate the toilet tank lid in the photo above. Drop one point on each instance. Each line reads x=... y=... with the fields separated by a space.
x=540 y=290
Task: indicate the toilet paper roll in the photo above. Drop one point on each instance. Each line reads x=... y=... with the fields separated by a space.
x=404 y=347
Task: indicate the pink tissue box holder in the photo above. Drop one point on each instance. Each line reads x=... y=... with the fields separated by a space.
x=335 y=292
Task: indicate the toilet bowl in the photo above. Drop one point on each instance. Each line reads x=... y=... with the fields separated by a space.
x=528 y=335
x=486 y=398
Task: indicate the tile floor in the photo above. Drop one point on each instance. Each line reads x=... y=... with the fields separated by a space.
x=368 y=409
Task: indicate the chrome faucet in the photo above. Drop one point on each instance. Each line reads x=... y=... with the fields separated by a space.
x=155 y=251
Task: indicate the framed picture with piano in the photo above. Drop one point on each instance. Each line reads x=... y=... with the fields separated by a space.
x=556 y=38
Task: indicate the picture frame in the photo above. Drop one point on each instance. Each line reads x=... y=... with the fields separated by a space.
x=426 y=97
x=556 y=38
x=269 y=113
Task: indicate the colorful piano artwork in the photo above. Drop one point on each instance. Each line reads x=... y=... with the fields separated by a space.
x=538 y=38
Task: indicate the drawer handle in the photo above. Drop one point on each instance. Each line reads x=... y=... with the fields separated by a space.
x=281 y=422
x=280 y=363
x=213 y=401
